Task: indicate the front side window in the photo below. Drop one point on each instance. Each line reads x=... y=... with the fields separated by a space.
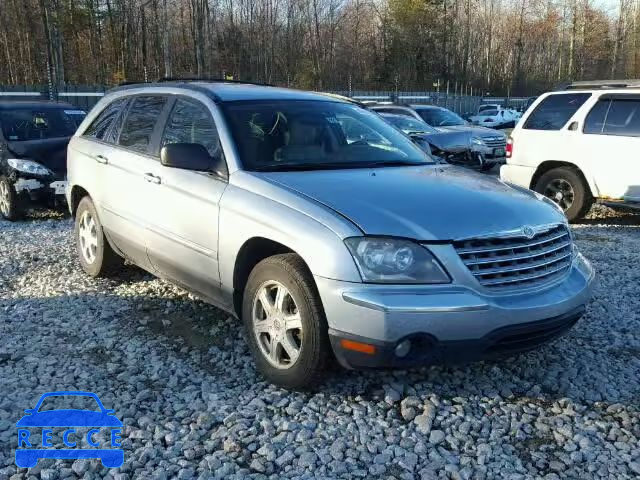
x=555 y=111
x=24 y=124
x=100 y=125
x=191 y=122
x=296 y=135
x=140 y=122
x=437 y=117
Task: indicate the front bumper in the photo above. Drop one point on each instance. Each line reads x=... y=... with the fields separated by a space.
x=49 y=191
x=517 y=174
x=448 y=323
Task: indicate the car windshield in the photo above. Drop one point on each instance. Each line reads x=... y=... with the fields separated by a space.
x=437 y=117
x=69 y=402
x=408 y=124
x=489 y=113
x=22 y=124
x=311 y=135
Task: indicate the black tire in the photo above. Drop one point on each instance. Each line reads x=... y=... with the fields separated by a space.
x=10 y=206
x=581 y=197
x=106 y=262
x=290 y=271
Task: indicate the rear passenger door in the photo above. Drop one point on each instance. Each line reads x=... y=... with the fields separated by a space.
x=129 y=176
x=90 y=150
x=545 y=134
x=611 y=145
x=182 y=235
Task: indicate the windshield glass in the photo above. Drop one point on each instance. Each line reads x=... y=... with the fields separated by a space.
x=23 y=124
x=440 y=118
x=303 y=134
x=489 y=113
x=408 y=124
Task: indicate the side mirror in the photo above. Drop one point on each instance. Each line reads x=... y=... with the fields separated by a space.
x=191 y=156
x=30 y=410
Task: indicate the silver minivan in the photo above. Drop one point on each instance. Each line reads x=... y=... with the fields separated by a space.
x=326 y=230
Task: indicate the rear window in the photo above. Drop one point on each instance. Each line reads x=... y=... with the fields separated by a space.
x=101 y=124
x=140 y=123
x=555 y=111
x=23 y=124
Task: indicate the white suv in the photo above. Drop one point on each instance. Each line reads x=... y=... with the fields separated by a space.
x=580 y=145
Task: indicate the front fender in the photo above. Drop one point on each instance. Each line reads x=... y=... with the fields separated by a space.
x=311 y=230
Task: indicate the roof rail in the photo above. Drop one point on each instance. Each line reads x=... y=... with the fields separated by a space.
x=589 y=84
x=209 y=79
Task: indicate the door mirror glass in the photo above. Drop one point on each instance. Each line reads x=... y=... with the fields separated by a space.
x=189 y=156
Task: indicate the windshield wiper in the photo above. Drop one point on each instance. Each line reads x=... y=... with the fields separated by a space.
x=290 y=167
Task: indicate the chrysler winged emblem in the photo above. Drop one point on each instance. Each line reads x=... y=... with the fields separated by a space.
x=528 y=232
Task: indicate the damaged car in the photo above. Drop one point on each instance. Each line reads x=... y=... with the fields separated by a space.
x=452 y=147
x=33 y=149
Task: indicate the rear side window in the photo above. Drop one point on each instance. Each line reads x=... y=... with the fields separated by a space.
x=617 y=116
x=555 y=111
x=594 y=123
x=100 y=125
x=191 y=122
x=140 y=122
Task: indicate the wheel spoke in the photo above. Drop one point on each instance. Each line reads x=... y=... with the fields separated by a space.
x=281 y=293
x=293 y=322
x=273 y=349
x=263 y=326
x=291 y=348
x=266 y=302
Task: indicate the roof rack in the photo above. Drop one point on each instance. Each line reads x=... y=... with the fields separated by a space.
x=591 y=84
x=209 y=79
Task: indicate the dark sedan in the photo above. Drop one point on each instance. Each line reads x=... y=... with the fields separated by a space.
x=33 y=146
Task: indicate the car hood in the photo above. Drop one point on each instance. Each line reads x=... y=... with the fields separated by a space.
x=471 y=129
x=50 y=152
x=432 y=202
x=69 y=418
x=447 y=141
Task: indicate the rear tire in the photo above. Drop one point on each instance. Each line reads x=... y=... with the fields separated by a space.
x=96 y=256
x=566 y=187
x=10 y=207
x=285 y=323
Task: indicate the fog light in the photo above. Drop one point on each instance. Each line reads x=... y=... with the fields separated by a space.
x=402 y=349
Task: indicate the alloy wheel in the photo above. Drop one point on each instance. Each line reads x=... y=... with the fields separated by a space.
x=561 y=192
x=88 y=237
x=277 y=324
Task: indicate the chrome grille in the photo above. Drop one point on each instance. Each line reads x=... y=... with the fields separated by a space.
x=495 y=142
x=501 y=263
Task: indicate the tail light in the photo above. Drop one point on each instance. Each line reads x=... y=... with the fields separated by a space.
x=509 y=150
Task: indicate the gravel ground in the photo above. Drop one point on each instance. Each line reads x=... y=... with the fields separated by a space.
x=179 y=376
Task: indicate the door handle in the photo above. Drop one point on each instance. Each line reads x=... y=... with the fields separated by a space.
x=101 y=159
x=151 y=178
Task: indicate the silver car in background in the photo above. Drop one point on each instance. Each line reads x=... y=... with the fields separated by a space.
x=326 y=230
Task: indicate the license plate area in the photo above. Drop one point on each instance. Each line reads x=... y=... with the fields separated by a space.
x=59 y=187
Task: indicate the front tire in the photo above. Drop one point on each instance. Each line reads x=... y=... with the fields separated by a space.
x=285 y=324
x=10 y=207
x=565 y=186
x=97 y=258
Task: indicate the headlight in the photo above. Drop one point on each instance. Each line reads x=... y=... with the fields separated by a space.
x=28 y=166
x=389 y=260
x=478 y=141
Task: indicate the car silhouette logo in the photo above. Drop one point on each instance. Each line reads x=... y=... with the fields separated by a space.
x=27 y=453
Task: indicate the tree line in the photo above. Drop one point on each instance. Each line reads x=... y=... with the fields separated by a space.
x=505 y=47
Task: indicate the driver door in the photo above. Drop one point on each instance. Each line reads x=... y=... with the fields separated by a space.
x=182 y=233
